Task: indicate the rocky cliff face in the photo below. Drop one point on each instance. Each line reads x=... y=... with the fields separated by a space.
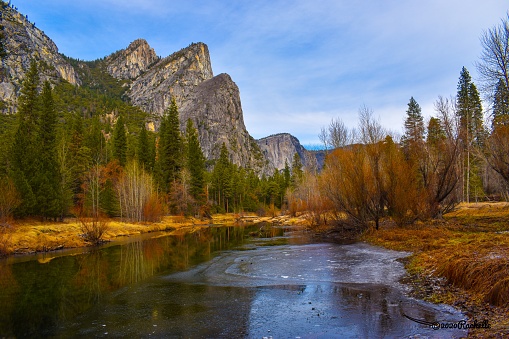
x=213 y=103
x=214 y=107
x=131 y=62
x=280 y=149
x=174 y=76
x=23 y=42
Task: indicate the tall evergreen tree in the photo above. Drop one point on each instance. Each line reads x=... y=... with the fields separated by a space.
x=222 y=179
x=120 y=141
x=48 y=178
x=435 y=131
x=501 y=105
x=472 y=134
x=144 y=150
x=195 y=163
x=24 y=164
x=469 y=110
x=80 y=158
x=297 y=171
x=169 y=153
x=287 y=175
x=95 y=141
x=414 y=123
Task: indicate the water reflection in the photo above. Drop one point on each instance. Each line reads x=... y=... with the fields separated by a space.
x=36 y=296
x=178 y=286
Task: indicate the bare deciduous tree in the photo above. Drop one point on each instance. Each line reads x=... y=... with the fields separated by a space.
x=335 y=135
x=494 y=61
x=135 y=190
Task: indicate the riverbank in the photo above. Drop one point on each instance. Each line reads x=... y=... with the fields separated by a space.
x=33 y=236
x=462 y=261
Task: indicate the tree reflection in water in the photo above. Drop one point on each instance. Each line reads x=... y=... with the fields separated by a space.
x=37 y=296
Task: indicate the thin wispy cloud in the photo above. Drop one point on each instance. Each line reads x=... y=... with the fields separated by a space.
x=298 y=64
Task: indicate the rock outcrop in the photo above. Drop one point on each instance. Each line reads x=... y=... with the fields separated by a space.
x=280 y=149
x=213 y=103
x=131 y=62
x=23 y=42
x=174 y=76
x=214 y=107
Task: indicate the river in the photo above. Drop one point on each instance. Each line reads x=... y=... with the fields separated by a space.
x=218 y=282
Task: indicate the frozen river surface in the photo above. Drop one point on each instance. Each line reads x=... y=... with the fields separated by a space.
x=217 y=283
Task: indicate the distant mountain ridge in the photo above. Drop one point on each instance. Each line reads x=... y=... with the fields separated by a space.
x=150 y=82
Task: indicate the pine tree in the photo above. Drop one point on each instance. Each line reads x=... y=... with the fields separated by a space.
x=414 y=125
x=120 y=141
x=24 y=164
x=501 y=105
x=96 y=142
x=144 y=150
x=435 y=131
x=287 y=175
x=222 y=179
x=169 y=152
x=48 y=177
x=195 y=163
x=469 y=110
x=297 y=172
x=80 y=158
x=472 y=134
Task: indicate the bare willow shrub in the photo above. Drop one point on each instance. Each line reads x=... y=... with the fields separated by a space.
x=307 y=198
x=88 y=212
x=403 y=194
x=349 y=184
x=137 y=196
x=93 y=228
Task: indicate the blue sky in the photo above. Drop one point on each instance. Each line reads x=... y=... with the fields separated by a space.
x=298 y=63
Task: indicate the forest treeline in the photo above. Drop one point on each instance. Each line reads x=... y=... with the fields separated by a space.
x=461 y=154
x=83 y=151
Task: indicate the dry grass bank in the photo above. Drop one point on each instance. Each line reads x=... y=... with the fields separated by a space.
x=463 y=260
x=29 y=236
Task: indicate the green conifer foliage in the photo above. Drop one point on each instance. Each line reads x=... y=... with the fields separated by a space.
x=145 y=150
x=48 y=177
x=95 y=141
x=120 y=141
x=435 y=131
x=414 y=123
x=469 y=110
x=297 y=172
x=501 y=105
x=287 y=175
x=24 y=159
x=79 y=159
x=195 y=163
x=169 y=153
x=222 y=180
x=472 y=133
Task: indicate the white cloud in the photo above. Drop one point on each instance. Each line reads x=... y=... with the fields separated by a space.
x=297 y=64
